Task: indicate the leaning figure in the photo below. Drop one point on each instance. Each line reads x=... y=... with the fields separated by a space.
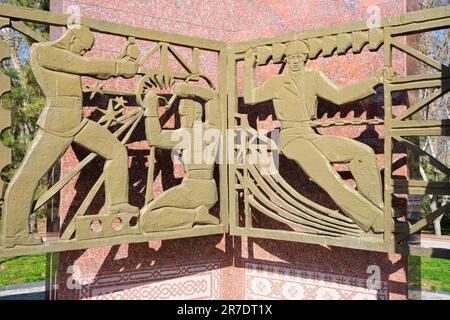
x=58 y=67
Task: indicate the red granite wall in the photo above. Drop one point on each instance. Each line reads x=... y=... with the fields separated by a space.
x=222 y=266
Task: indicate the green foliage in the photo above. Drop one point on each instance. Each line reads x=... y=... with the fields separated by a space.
x=425 y=208
x=25 y=101
x=38 y=4
x=435 y=274
x=435 y=44
x=414 y=273
x=20 y=270
x=429 y=273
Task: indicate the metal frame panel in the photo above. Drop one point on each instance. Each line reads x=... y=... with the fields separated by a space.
x=14 y=18
x=395 y=129
x=242 y=179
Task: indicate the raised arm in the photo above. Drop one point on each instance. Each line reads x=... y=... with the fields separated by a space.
x=64 y=61
x=156 y=136
x=184 y=90
x=326 y=89
x=252 y=93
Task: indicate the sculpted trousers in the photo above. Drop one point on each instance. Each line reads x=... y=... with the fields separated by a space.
x=315 y=155
x=176 y=207
x=44 y=151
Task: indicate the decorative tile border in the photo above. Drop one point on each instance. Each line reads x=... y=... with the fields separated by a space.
x=270 y=282
x=200 y=281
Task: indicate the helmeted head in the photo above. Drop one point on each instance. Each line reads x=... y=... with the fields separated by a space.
x=78 y=38
x=190 y=111
x=297 y=53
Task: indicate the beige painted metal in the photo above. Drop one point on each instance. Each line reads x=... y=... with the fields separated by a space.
x=187 y=204
x=58 y=67
x=365 y=219
x=294 y=93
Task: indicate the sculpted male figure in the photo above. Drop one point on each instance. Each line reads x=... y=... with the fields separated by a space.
x=188 y=203
x=58 y=67
x=295 y=95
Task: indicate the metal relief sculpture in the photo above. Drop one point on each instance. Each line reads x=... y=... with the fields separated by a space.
x=365 y=217
x=294 y=95
x=58 y=67
x=212 y=196
x=188 y=203
x=184 y=210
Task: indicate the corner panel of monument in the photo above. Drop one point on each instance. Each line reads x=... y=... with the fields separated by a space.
x=300 y=176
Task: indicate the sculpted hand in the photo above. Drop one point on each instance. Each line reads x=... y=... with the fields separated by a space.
x=250 y=58
x=126 y=69
x=385 y=73
x=104 y=76
x=151 y=104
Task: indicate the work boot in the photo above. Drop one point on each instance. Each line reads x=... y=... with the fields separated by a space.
x=202 y=216
x=398 y=226
x=31 y=239
x=123 y=208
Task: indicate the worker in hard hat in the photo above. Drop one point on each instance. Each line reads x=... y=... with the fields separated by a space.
x=58 y=67
x=295 y=96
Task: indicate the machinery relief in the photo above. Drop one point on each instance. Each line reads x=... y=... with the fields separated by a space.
x=220 y=188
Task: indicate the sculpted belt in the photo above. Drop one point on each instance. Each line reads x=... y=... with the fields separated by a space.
x=200 y=174
x=293 y=130
x=64 y=102
x=62 y=116
x=295 y=124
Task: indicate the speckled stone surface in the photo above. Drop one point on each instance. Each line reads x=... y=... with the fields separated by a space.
x=219 y=266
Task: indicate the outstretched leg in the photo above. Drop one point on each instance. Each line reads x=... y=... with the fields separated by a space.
x=43 y=152
x=363 y=212
x=362 y=163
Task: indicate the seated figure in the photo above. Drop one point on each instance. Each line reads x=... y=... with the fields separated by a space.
x=187 y=204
